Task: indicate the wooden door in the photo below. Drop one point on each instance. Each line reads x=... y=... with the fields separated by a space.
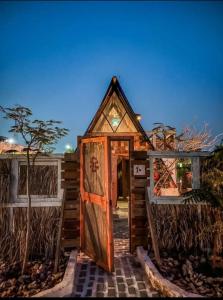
x=96 y=205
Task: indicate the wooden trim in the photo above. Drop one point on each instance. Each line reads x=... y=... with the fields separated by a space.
x=100 y=200
x=114 y=86
x=113 y=134
x=33 y=204
x=110 y=245
x=170 y=154
x=81 y=197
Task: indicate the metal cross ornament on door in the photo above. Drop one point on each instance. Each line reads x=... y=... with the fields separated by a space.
x=94 y=164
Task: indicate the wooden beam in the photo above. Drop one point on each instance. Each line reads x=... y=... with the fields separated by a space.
x=170 y=154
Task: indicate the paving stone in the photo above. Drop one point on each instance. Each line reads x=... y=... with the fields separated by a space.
x=88 y=293
x=143 y=293
x=121 y=282
x=122 y=294
x=101 y=279
x=118 y=272
x=81 y=280
x=100 y=287
x=111 y=284
x=141 y=285
x=131 y=290
x=99 y=294
x=138 y=277
x=121 y=287
x=119 y=279
x=84 y=267
x=79 y=288
x=111 y=292
x=129 y=281
x=101 y=272
x=82 y=274
x=92 y=271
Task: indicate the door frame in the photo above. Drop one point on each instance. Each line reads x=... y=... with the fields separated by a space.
x=130 y=139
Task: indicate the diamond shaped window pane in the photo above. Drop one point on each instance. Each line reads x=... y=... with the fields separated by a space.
x=114 y=111
x=102 y=125
x=126 y=125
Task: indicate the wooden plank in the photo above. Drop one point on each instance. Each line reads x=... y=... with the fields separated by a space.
x=70 y=214
x=71 y=157
x=71 y=223
x=138 y=232
x=138 y=212
x=139 y=183
x=138 y=190
x=71 y=243
x=139 y=155
x=70 y=184
x=72 y=205
x=180 y=154
x=70 y=234
x=70 y=165
x=70 y=175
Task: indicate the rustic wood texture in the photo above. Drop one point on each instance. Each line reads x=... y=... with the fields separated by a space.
x=96 y=207
x=94 y=168
x=138 y=220
x=95 y=231
x=70 y=235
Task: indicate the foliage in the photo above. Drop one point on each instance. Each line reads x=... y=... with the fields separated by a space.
x=190 y=139
x=39 y=136
x=212 y=174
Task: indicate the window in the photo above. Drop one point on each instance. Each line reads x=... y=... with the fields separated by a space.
x=114 y=118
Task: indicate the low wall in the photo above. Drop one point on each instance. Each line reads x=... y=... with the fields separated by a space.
x=66 y=286
x=158 y=282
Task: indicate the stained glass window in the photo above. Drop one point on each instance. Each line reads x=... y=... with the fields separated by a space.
x=114 y=118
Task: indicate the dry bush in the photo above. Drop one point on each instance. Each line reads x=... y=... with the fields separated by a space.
x=43 y=180
x=44 y=228
x=5 y=167
x=189 y=228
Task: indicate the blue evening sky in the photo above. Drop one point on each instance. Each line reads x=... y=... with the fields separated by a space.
x=58 y=59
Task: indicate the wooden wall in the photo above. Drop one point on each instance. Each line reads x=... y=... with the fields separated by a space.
x=71 y=215
x=138 y=217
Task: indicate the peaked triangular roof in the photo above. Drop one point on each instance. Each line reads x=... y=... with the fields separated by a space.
x=114 y=86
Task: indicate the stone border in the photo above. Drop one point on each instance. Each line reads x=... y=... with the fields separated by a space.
x=65 y=287
x=158 y=282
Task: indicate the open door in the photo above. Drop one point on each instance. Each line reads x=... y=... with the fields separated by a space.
x=96 y=205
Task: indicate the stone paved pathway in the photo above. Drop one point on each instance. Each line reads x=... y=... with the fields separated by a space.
x=128 y=279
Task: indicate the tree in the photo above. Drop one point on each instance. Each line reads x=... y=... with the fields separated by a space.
x=39 y=136
x=164 y=137
x=192 y=139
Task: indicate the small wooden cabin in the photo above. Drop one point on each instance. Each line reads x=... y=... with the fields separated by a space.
x=105 y=172
x=116 y=119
